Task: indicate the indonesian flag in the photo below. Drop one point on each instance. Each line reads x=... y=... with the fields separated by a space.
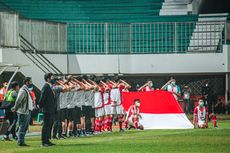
x=159 y=110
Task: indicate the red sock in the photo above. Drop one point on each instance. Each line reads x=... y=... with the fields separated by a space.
x=135 y=121
x=100 y=125
x=107 y=123
x=110 y=123
x=126 y=124
x=96 y=125
x=120 y=121
x=214 y=119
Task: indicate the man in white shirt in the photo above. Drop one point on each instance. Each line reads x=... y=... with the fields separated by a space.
x=23 y=106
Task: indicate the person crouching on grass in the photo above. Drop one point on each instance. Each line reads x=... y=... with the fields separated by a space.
x=133 y=116
x=200 y=115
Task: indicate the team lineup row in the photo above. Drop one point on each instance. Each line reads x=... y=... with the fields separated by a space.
x=85 y=106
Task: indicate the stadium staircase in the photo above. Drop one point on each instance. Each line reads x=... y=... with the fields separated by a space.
x=37 y=58
x=207 y=35
x=174 y=7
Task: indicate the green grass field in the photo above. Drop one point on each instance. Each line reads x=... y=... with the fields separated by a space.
x=192 y=140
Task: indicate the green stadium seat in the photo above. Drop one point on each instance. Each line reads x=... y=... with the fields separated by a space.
x=161 y=38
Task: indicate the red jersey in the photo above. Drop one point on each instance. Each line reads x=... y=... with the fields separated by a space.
x=133 y=110
x=200 y=113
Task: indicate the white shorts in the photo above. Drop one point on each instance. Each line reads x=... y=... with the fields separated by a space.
x=108 y=110
x=117 y=110
x=99 y=112
x=131 y=123
x=201 y=123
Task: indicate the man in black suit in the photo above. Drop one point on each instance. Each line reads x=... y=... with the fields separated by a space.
x=48 y=106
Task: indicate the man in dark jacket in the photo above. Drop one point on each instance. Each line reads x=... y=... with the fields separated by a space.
x=206 y=93
x=48 y=106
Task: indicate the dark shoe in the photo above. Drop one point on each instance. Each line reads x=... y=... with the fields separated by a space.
x=46 y=145
x=23 y=145
x=15 y=138
x=50 y=143
x=61 y=137
x=57 y=138
x=121 y=130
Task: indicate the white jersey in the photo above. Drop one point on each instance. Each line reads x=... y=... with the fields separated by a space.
x=76 y=99
x=106 y=98
x=98 y=102
x=63 y=100
x=173 y=89
x=81 y=94
x=115 y=96
x=87 y=101
x=201 y=116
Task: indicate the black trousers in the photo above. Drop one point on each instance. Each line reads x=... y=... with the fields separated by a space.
x=57 y=128
x=86 y=112
x=47 y=127
x=12 y=117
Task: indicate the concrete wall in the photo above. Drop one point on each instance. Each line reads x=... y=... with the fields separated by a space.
x=93 y=64
x=150 y=63
x=43 y=35
x=8 y=29
x=126 y=64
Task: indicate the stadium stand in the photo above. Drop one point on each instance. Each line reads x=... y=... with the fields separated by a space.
x=175 y=7
x=83 y=11
x=124 y=26
x=208 y=34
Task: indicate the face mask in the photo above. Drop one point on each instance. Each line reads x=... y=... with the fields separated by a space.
x=201 y=103
x=206 y=85
x=30 y=86
x=138 y=104
x=173 y=83
x=53 y=81
x=151 y=84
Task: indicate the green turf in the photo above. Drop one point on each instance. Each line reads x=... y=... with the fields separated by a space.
x=192 y=140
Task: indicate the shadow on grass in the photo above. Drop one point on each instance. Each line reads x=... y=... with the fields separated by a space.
x=75 y=145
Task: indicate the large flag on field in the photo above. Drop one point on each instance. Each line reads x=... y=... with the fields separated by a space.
x=159 y=110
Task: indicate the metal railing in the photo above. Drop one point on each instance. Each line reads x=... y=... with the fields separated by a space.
x=137 y=38
x=44 y=64
x=114 y=38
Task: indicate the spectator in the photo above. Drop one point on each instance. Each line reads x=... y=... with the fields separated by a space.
x=23 y=106
x=137 y=87
x=219 y=107
x=206 y=93
x=48 y=106
x=33 y=96
x=3 y=91
x=10 y=97
x=186 y=96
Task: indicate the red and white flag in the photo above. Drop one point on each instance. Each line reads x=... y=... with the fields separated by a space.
x=159 y=110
